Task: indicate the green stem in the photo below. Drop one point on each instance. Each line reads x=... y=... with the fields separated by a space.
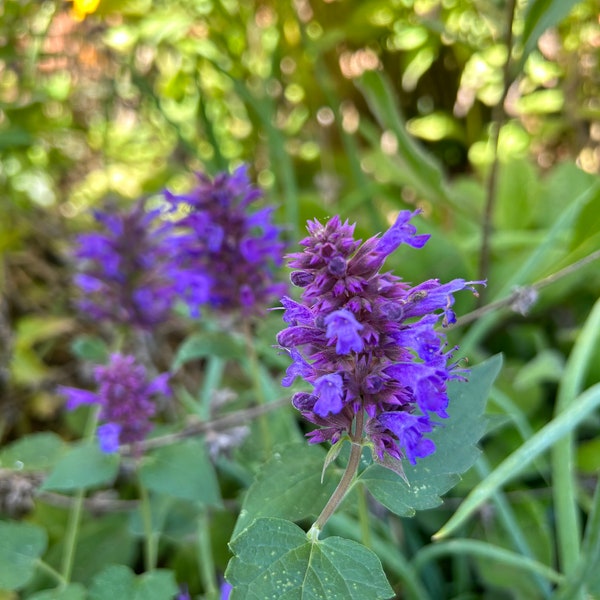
x=46 y=568
x=76 y=511
x=205 y=558
x=150 y=537
x=345 y=482
x=258 y=387
x=71 y=536
x=363 y=517
x=213 y=376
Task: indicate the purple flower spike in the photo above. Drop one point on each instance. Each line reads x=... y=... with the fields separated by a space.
x=125 y=272
x=227 y=255
x=367 y=341
x=125 y=396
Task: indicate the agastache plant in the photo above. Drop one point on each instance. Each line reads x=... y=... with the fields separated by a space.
x=125 y=270
x=226 y=252
x=367 y=343
x=126 y=397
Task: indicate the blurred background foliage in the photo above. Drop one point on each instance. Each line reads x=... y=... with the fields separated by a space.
x=478 y=112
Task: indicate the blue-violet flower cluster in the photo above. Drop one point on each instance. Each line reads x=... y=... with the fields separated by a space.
x=367 y=342
x=126 y=269
x=126 y=399
x=225 y=252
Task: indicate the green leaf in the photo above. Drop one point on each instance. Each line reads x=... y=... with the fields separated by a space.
x=288 y=486
x=88 y=347
x=74 y=591
x=82 y=467
x=207 y=344
x=541 y=15
x=21 y=544
x=567 y=421
x=455 y=449
x=182 y=470
x=423 y=171
x=34 y=452
x=274 y=559
x=118 y=581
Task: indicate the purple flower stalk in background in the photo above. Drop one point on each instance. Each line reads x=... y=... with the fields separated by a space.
x=125 y=396
x=226 y=254
x=367 y=341
x=125 y=270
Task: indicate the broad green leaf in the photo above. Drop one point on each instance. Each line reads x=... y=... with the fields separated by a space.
x=83 y=467
x=182 y=470
x=514 y=464
x=34 y=452
x=74 y=591
x=273 y=558
x=456 y=449
x=21 y=544
x=206 y=344
x=118 y=581
x=539 y=16
x=288 y=486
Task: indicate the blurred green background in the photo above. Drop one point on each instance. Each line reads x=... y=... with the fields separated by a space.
x=484 y=114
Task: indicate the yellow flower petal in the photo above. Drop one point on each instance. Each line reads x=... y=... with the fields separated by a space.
x=81 y=8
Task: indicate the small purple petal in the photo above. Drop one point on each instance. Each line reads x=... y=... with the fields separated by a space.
x=343 y=325
x=401 y=232
x=330 y=390
x=108 y=437
x=76 y=397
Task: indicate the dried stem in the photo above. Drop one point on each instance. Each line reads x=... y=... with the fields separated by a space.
x=538 y=285
x=240 y=417
x=499 y=117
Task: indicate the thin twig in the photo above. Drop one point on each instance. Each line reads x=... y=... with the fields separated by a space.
x=240 y=417
x=538 y=285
